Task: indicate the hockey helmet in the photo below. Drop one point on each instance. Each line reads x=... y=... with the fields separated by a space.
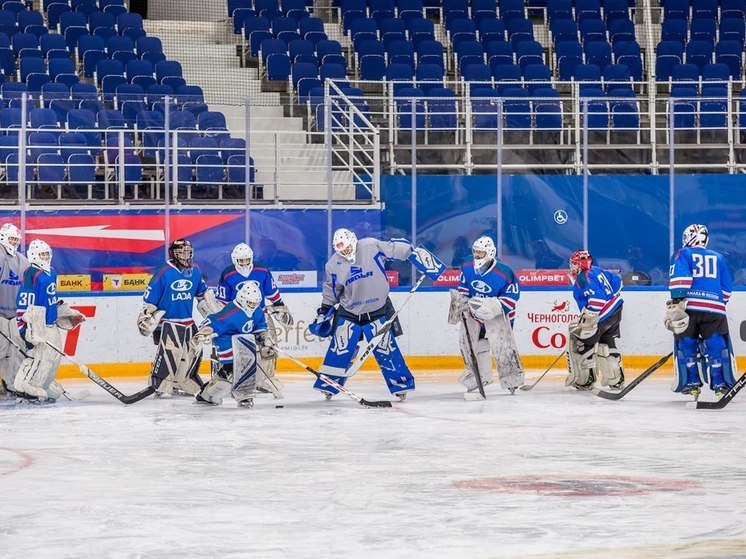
x=249 y=297
x=243 y=258
x=181 y=252
x=580 y=261
x=345 y=244
x=10 y=237
x=40 y=254
x=695 y=236
x=484 y=251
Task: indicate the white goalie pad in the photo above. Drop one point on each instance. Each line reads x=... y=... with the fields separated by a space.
x=38 y=371
x=486 y=308
x=244 y=366
x=481 y=351
x=267 y=381
x=209 y=304
x=176 y=360
x=580 y=368
x=609 y=366
x=10 y=357
x=459 y=304
x=504 y=351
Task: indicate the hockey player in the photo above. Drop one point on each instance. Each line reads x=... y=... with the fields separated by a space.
x=231 y=280
x=12 y=266
x=167 y=314
x=591 y=343
x=700 y=285
x=236 y=332
x=355 y=304
x=39 y=312
x=485 y=303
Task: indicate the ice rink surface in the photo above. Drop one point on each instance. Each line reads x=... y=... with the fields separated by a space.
x=546 y=473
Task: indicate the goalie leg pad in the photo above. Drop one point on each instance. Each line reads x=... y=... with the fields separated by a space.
x=719 y=358
x=580 y=364
x=481 y=350
x=687 y=366
x=394 y=369
x=266 y=379
x=244 y=367
x=609 y=366
x=214 y=391
x=343 y=346
x=172 y=345
x=10 y=357
x=502 y=346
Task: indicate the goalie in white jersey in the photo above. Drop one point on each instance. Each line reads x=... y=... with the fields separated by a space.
x=355 y=304
x=12 y=266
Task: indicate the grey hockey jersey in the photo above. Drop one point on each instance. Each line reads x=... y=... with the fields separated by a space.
x=11 y=277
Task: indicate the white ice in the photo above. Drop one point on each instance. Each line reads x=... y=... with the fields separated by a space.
x=546 y=473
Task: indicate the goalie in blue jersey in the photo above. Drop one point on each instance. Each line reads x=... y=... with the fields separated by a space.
x=700 y=285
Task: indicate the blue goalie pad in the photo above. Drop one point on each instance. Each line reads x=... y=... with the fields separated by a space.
x=325 y=327
x=427 y=263
x=689 y=363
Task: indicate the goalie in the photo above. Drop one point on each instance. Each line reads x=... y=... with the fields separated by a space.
x=238 y=332
x=485 y=306
x=233 y=278
x=591 y=343
x=12 y=266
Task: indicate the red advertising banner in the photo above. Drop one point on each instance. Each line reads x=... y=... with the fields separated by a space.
x=543 y=278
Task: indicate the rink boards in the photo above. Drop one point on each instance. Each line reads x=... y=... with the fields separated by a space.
x=110 y=337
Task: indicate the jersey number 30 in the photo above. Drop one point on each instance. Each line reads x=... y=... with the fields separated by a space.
x=705 y=266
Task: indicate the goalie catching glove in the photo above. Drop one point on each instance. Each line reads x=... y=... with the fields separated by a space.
x=209 y=304
x=281 y=313
x=459 y=305
x=67 y=318
x=586 y=326
x=202 y=338
x=148 y=319
x=677 y=320
x=266 y=349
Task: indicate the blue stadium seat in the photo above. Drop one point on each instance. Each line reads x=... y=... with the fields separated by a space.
x=127 y=21
x=713 y=107
x=529 y=52
x=484 y=10
x=392 y=30
x=209 y=170
x=212 y=123
x=628 y=53
x=704 y=9
x=100 y=19
x=295 y=9
x=547 y=109
x=684 y=107
x=312 y=29
x=598 y=53
x=478 y=72
x=491 y=30
x=668 y=55
x=512 y=10
x=421 y=30
x=430 y=52
x=699 y=52
x=621 y=30
x=330 y=51
x=81 y=169
x=304 y=77
x=54 y=13
x=429 y=76
x=685 y=73
x=409 y=101
x=51 y=169
x=537 y=76
x=40 y=143
x=230 y=147
x=625 y=112
x=704 y=29
x=592 y=30
x=676 y=9
x=85 y=120
x=516 y=108
x=202 y=146
x=71 y=143
x=484 y=109
x=441 y=107
x=12 y=169
x=167 y=68
x=22 y=41
x=569 y=55
x=675 y=29
x=10 y=117
x=587 y=9
x=730 y=53
x=236 y=166
x=132 y=169
x=518 y=30
x=50 y=43
x=43 y=118
x=371 y=60
x=28 y=66
x=564 y=30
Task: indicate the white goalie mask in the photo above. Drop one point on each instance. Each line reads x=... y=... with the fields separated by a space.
x=40 y=254
x=243 y=259
x=10 y=238
x=249 y=297
x=345 y=244
x=695 y=236
x=484 y=251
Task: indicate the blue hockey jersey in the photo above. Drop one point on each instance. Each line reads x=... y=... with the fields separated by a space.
x=39 y=288
x=231 y=282
x=173 y=290
x=497 y=281
x=702 y=277
x=229 y=321
x=598 y=290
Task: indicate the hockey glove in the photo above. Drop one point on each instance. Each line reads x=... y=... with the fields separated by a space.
x=266 y=349
x=322 y=325
x=202 y=338
x=677 y=319
x=280 y=312
x=208 y=304
x=148 y=319
x=586 y=326
x=67 y=318
x=459 y=305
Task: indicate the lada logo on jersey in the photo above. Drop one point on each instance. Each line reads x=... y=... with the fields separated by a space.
x=52 y=289
x=181 y=285
x=12 y=278
x=480 y=287
x=356 y=273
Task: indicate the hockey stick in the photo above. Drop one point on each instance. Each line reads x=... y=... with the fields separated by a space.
x=472 y=397
x=375 y=340
x=724 y=399
x=645 y=374
x=528 y=387
x=327 y=380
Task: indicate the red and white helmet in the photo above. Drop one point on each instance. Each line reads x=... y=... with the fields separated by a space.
x=345 y=244
x=249 y=297
x=40 y=254
x=10 y=237
x=484 y=251
x=243 y=259
x=695 y=236
x=580 y=261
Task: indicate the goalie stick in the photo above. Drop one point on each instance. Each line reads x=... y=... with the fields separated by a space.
x=724 y=399
x=645 y=374
x=470 y=396
x=375 y=340
x=528 y=387
x=327 y=380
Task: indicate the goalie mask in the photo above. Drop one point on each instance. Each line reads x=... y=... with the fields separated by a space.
x=10 y=238
x=40 y=255
x=249 y=297
x=345 y=244
x=243 y=259
x=695 y=236
x=181 y=252
x=580 y=261
x=483 y=250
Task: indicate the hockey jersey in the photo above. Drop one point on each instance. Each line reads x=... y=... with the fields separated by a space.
x=11 y=277
x=362 y=286
x=598 y=290
x=231 y=281
x=174 y=290
x=702 y=276
x=231 y=320
x=39 y=288
x=497 y=281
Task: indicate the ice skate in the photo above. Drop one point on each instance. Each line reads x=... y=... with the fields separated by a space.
x=247 y=403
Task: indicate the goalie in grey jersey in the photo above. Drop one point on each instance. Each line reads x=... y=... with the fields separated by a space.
x=12 y=266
